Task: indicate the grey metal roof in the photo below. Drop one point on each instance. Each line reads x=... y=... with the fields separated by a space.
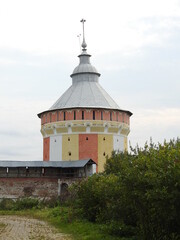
x=84 y=68
x=85 y=90
x=85 y=94
x=53 y=164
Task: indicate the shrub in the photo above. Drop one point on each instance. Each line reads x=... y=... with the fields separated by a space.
x=6 y=204
x=139 y=193
x=26 y=203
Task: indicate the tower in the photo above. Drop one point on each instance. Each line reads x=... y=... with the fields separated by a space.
x=85 y=122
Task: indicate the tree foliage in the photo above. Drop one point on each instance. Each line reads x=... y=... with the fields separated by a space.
x=138 y=195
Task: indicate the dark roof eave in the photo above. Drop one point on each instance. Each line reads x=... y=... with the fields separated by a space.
x=44 y=164
x=113 y=109
x=73 y=74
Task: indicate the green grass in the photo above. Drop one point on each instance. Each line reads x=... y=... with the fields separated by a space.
x=61 y=218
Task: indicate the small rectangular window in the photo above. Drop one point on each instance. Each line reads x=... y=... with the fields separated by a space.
x=94 y=116
x=117 y=116
x=101 y=115
x=57 y=116
x=74 y=115
x=82 y=115
x=110 y=116
x=27 y=171
x=50 y=117
x=64 y=116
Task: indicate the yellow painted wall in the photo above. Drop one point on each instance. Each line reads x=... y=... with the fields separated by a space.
x=97 y=129
x=49 y=131
x=125 y=144
x=104 y=146
x=61 y=130
x=79 y=129
x=113 y=130
x=70 y=146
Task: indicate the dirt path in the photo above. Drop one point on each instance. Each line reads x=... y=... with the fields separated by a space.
x=22 y=228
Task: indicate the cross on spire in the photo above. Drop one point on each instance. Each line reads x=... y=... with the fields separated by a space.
x=84 y=45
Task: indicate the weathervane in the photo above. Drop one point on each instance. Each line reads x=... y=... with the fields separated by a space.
x=84 y=45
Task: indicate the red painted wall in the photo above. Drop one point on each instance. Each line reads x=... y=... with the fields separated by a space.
x=88 y=115
x=106 y=115
x=54 y=117
x=46 y=146
x=88 y=148
x=70 y=115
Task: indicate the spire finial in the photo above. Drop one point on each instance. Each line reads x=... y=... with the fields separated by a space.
x=84 y=45
x=79 y=37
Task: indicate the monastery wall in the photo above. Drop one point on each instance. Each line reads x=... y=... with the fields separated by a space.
x=28 y=187
x=13 y=188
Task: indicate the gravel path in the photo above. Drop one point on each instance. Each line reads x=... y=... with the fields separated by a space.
x=22 y=228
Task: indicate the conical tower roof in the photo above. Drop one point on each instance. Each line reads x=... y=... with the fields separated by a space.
x=85 y=91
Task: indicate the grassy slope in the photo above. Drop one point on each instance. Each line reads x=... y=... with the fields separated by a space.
x=79 y=230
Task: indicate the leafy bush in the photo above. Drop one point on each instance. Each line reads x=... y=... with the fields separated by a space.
x=138 y=195
x=6 y=204
x=27 y=203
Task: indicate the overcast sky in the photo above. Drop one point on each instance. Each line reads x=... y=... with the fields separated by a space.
x=135 y=45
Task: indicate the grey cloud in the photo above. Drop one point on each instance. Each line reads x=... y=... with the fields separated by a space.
x=7 y=152
x=32 y=76
x=149 y=78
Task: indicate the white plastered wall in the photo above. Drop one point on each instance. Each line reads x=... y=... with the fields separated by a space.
x=118 y=143
x=56 y=148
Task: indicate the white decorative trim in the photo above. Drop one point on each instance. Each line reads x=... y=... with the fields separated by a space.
x=54 y=129
x=122 y=128
x=69 y=129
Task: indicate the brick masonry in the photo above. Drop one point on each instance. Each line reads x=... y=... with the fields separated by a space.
x=88 y=146
x=14 y=188
x=46 y=145
x=56 y=116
